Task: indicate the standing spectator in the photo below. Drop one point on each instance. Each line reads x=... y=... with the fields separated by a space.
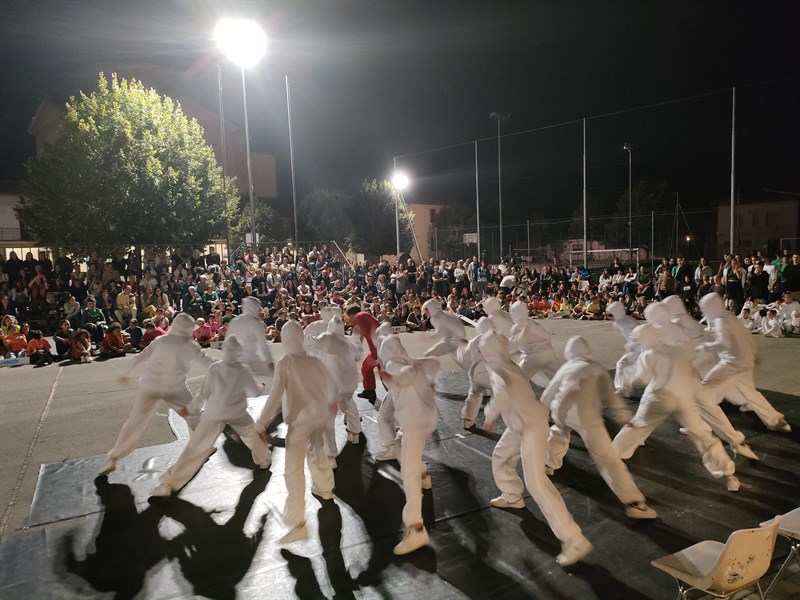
x=791 y=276
x=734 y=276
x=703 y=270
x=758 y=284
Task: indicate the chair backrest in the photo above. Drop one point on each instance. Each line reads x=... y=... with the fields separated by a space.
x=745 y=558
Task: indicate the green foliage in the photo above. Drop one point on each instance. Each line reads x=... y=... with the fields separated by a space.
x=127 y=169
x=326 y=216
x=645 y=196
x=373 y=217
x=270 y=225
x=452 y=222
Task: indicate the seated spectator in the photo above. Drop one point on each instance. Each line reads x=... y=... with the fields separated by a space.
x=62 y=338
x=203 y=333
x=106 y=304
x=81 y=347
x=151 y=332
x=134 y=334
x=160 y=320
x=605 y=281
x=638 y=309
x=93 y=321
x=39 y=349
x=16 y=341
x=114 y=343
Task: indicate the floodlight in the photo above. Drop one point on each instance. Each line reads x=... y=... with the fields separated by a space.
x=242 y=41
x=400 y=181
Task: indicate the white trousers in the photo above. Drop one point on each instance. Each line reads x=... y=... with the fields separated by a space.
x=736 y=385
x=201 y=444
x=716 y=419
x=654 y=409
x=531 y=448
x=442 y=347
x=625 y=374
x=387 y=426
x=479 y=387
x=595 y=436
x=412 y=469
x=546 y=361
x=144 y=407
x=348 y=406
x=302 y=441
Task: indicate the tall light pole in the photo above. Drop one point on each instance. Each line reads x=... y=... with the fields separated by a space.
x=400 y=182
x=499 y=117
x=629 y=147
x=244 y=43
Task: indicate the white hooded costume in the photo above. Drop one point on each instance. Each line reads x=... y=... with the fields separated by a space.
x=525 y=438
x=449 y=330
x=575 y=398
x=670 y=392
x=469 y=358
x=532 y=342
x=771 y=327
x=671 y=332
x=341 y=358
x=226 y=387
x=166 y=362
x=788 y=316
x=625 y=373
x=732 y=377
x=409 y=381
x=300 y=390
x=501 y=320
x=249 y=329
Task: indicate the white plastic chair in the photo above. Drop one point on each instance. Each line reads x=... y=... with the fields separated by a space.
x=722 y=570
x=790 y=529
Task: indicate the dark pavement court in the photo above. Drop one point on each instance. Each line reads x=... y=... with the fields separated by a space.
x=101 y=538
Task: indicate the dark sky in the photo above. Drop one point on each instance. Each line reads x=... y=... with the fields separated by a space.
x=371 y=80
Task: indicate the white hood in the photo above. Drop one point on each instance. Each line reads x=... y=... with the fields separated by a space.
x=251 y=306
x=657 y=313
x=483 y=325
x=336 y=325
x=518 y=311
x=292 y=338
x=712 y=306
x=384 y=329
x=392 y=350
x=647 y=336
x=182 y=326
x=432 y=306
x=328 y=313
x=616 y=310
x=492 y=305
x=231 y=350
x=577 y=347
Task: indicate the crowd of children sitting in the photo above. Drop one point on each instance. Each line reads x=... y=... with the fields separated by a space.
x=87 y=304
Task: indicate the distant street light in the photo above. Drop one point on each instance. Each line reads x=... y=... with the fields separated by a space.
x=400 y=182
x=244 y=43
x=629 y=147
x=500 y=117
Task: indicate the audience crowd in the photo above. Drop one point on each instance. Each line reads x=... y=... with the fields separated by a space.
x=109 y=307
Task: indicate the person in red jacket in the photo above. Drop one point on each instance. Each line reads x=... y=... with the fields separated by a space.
x=364 y=324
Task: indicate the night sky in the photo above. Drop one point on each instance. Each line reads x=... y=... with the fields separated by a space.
x=372 y=80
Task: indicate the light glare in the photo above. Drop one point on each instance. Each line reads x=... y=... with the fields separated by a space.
x=242 y=41
x=400 y=181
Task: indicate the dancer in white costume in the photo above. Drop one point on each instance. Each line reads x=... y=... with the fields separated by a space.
x=300 y=389
x=625 y=373
x=449 y=330
x=224 y=393
x=249 y=329
x=532 y=342
x=388 y=431
x=501 y=320
x=469 y=358
x=341 y=358
x=671 y=393
x=166 y=363
x=575 y=398
x=410 y=382
x=525 y=438
x=732 y=377
x=670 y=332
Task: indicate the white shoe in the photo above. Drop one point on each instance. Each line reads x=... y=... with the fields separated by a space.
x=468 y=423
x=745 y=408
x=109 y=466
x=353 y=438
x=744 y=450
x=574 y=552
x=732 y=483
x=503 y=502
x=295 y=535
x=414 y=538
x=162 y=491
x=782 y=425
x=640 y=510
x=684 y=431
x=390 y=453
x=426 y=482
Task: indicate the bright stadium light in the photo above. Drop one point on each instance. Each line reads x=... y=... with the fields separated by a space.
x=242 y=41
x=400 y=181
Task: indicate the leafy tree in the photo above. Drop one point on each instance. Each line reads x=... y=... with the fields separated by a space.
x=326 y=216
x=127 y=169
x=373 y=217
x=270 y=225
x=452 y=222
x=645 y=196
